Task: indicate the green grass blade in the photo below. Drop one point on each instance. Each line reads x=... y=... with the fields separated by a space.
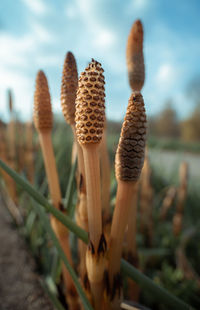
x=161 y=295
x=40 y=211
x=57 y=304
x=65 y=220
x=143 y=281
x=70 y=190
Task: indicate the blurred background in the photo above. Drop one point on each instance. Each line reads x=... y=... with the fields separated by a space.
x=37 y=34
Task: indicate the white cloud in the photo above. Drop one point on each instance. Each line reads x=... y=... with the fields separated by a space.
x=105 y=39
x=13 y=49
x=41 y=33
x=22 y=90
x=166 y=74
x=37 y=7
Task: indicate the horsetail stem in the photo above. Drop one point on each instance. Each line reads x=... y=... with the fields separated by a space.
x=128 y=165
x=68 y=95
x=90 y=115
x=134 y=57
x=43 y=120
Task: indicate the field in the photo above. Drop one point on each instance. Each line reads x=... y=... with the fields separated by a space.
x=168 y=259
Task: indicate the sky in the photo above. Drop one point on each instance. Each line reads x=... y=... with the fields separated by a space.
x=36 y=34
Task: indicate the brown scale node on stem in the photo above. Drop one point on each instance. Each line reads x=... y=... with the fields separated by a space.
x=43 y=117
x=90 y=104
x=69 y=87
x=130 y=152
x=134 y=57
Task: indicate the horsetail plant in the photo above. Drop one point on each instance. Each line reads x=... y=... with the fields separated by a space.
x=90 y=115
x=134 y=57
x=128 y=165
x=43 y=120
x=68 y=95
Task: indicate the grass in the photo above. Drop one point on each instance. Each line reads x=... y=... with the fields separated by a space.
x=159 y=264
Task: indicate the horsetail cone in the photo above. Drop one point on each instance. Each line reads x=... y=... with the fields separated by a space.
x=42 y=116
x=90 y=104
x=131 y=149
x=135 y=58
x=69 y=88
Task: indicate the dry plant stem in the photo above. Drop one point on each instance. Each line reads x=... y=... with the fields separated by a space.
x=95 y=260
x=60 y=230
x=81 y=209
x=81 y=168
x=131 y=246
x=105 y=178
x=167 y=202
x=11 y=158
x=50 y=166
x=29 y=152
x=124 y=202
x=132 y=226
x=91 y=161
x=74 y=152
x=146 y=202
x=131 y=249
x=182 y=194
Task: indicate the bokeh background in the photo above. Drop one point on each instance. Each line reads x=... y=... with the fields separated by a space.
x=36 y=34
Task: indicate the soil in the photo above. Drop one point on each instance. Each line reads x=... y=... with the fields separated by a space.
x=20 y=287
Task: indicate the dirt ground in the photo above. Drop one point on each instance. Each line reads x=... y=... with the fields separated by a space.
x=20 y=288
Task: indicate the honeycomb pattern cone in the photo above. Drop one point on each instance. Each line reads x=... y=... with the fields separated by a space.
x=68 y=88
x=43 y=117
x=135 y=58
x=90 y=104
x=131 y=149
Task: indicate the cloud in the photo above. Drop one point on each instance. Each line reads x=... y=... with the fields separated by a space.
x=14 y=50
x=105 y=39
x=166 y=74
x=37 y=7
x=21 y=86
x=41 y=33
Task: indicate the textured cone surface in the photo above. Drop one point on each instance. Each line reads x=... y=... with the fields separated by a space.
x=135 y=58
x=43 y=118
x=130 y=152
x=69 y=88
x=90 y=107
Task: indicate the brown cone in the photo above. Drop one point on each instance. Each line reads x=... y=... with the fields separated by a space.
x=130 y=152
x=90 y=108
x=69 y=88
x=135 y=58
x=42 y=116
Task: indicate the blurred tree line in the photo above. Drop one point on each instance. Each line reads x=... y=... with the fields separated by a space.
x=167 y=125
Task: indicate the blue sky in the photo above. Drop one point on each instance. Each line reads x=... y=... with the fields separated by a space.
x=36 y=34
